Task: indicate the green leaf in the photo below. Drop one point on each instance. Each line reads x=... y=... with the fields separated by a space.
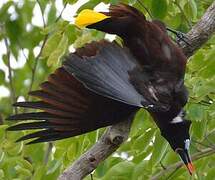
x=114 y=1
x=159 y=8
x=13 y=28
x=39 y=172
x=55 y=56
x=202 y=91
x=138 y=172
x=190 y=9
x=72 y=151
x=180 y=174
x=36 y=152
x=142 y=142
x=173 y=21
x=24 y=172
x=52 y=15
x=141 y=124
x=160 y=146
x=51 y=44
x=2 y=155
x=208 y=70
x=210 y=174
x=4 y=9
x=25 y=164
x=2 y=77
x=54 y=166
x=121 y=169
x=170 y=158
x=197 y=61
x=138 y=157
x=72 y=33
x=2 y=176
x=89 y=5
x=195 y=112
x=15 y=149
x=199 y=129
x=70 y=1
x=81 y=41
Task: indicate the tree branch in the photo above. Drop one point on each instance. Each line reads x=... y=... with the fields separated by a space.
x=115 y=135
x=107 y=144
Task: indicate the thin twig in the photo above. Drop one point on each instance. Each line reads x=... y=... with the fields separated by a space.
x=41 y=10
x=202 y=144
x=41 y=49
x=26 y=58
x=35 y=66
x=33 y=69
x=12 y=89
x=162 y=165
x=210 y=142
x=58 y=18
x=38 y=56
x=172 y=173
x=146 y=9
x=204 y=153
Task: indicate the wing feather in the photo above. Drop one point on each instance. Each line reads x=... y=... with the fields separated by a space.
x=67 y=108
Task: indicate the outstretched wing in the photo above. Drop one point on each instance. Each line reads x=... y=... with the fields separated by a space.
x=67 y=106
x=68 y=109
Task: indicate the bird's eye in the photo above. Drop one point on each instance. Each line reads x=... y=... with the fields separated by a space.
x=187 y=144
x=178 y=149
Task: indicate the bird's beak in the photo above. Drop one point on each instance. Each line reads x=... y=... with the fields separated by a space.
x=186 y=159
x=88 y=17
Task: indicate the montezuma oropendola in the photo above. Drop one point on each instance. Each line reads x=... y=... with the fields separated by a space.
x=103 y=83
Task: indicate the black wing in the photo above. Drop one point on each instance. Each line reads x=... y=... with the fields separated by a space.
x=107 y=73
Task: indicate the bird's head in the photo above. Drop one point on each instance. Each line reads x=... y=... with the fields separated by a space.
x=176 y=132
x=117 y=21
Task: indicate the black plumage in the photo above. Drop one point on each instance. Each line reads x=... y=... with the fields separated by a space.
x=111 y=74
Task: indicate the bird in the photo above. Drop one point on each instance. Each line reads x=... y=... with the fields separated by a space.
x=103 y=83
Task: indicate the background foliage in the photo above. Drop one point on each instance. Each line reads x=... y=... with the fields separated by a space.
x=39 y=50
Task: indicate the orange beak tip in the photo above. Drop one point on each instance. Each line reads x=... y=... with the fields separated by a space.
x=191 y=168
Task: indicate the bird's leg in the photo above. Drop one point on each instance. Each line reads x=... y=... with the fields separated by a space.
x=180 y=36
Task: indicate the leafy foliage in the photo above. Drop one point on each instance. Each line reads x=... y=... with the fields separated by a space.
x=31 y=52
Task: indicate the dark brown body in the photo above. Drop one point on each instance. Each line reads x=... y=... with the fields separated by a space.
x=103 y=83
x=160 y=77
